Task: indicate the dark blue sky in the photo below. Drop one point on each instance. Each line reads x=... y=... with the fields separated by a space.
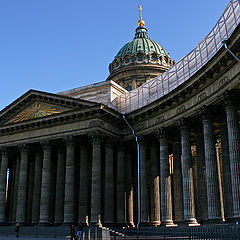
x=56 y=45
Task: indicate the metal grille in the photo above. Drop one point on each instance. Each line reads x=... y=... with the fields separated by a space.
x=185 y=68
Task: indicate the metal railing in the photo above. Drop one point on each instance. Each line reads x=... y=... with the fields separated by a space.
x=185 y=68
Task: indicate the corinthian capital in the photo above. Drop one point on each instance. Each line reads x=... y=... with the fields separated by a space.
x=182 y=123
x=96 y=137
x=23 y=148
x=161 y=132
x=228 y=98
x=4 y=151
x=69 y=140
x=205 y=113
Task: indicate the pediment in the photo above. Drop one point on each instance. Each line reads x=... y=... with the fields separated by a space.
x=35 y=104
x=37 y=110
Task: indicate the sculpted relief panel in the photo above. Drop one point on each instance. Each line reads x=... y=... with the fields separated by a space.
x=36 y=110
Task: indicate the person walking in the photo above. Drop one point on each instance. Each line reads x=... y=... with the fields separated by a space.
x=17 y=228
x=73 y=234
x=80 y=231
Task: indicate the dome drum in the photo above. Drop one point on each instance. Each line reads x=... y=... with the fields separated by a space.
x=141 y=54
x=140 y=58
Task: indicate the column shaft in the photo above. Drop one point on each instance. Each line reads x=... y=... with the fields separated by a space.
x=15 y=194
x=234 y=154
x=45 y=187
x=121 y=198
x=69 y=183
x=59 y=200
x=83 y=185
x=37 y=187
x=13 y=182
x=202 y=208
x=30 y=191
x=226 y=172
x=96 y=179
x=143 y=184
x=213 y=195
x=129 y=189
x=166 y=189
x=109 y=193
x=3 y=182
x=155 y=187
x=187 y=174
x=22 y=186
x=177 y=183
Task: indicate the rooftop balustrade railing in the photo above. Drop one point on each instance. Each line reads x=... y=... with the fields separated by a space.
x=185 y=68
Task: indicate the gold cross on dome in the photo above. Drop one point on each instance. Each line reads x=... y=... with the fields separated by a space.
x=140 y=7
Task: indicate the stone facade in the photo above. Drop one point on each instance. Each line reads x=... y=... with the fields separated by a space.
x=66 y=159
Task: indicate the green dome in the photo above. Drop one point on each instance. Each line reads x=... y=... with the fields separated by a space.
x=141 y=44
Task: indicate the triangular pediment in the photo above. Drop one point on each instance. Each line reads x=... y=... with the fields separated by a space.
x=35 y=104
x=37 y=110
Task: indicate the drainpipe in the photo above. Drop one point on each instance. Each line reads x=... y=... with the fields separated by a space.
x=138 y=168
x=224 y=42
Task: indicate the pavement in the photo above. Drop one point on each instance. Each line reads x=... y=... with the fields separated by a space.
x=32 y=238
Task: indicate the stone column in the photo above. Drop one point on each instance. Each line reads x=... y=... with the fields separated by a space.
x=30 y=183
x=45 y=187
x=13 y=182
x=15 y=194
x=187 y=174
x=166 y=189
x=109 y=191
x=59 y=200
x=22 y=185
x=121 y=198
x=234 y=150
x=3 y=182
x=69 y=182
x=83 y=185
x=96 y=138
x=226 y=172
x=155 y=187
x=201 y=177
x=177 y=182
x=37 y=187
x=213 y=195
x=144 y=212
x=129 y=188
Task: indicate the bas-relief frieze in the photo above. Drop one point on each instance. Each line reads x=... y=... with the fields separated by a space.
x=197 y=101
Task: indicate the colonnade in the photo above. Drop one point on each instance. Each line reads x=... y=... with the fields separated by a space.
x=94 y=177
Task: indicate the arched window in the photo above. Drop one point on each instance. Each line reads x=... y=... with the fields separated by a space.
x=154 y=58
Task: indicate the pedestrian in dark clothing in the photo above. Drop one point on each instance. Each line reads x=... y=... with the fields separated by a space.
x=17 y=228
x=80 y=231
x=81 y=227
x=73 y=235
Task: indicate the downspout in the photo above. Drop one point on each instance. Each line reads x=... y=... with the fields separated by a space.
x=224 y=42
x=138 y=168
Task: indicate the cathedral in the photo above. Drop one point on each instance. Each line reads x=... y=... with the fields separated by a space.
x=157 y=143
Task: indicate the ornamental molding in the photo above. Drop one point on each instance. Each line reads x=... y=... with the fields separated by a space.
x=189 y=106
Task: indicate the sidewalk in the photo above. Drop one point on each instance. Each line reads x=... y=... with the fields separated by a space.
x=32 y=238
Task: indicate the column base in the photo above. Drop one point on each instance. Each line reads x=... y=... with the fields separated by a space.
x=192 y=222
x=130 y=225
x=168 y=223
x=155 y=223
